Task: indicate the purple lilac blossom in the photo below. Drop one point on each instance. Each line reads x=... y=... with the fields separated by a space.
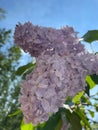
x=62 y=66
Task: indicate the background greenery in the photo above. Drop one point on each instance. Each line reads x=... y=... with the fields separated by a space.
x=9 y=81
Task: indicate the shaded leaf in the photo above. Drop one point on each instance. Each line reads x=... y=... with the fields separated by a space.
x=69 y=101
x=54 y=123
x=95 y=99
x=87 y=89
x=24 y=69
x=68 y=114
x=90 y=36
x=85 y=100
x=15 y=113
x=59 y=125
x=96 y=108
x=94 y=78
x=75 y=122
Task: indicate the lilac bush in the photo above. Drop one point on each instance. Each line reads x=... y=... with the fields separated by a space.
x=62 y=64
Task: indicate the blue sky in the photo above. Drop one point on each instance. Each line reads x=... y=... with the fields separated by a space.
x=81 y=14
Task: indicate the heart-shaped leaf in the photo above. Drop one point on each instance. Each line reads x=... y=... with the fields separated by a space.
x=91 y=36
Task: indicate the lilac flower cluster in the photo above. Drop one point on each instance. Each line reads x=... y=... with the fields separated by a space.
x=62 y=65
x=35 y=40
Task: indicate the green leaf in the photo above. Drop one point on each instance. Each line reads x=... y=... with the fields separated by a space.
x=59 y=125
x=74 y=119
x=24 y=69
x=87 y=89
x=15 y=113
x=83 y=117
x=96 y=107
x=27 y=126
x=69 y=101
x=90 y=36
x=68 y=114
x=85 y=100
x=90 y=82
x=77 y=98
x=94 y=78
x=91 y=113
x=95 y=99
x=54 y=123
x=15 y=49
x=75 y=122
